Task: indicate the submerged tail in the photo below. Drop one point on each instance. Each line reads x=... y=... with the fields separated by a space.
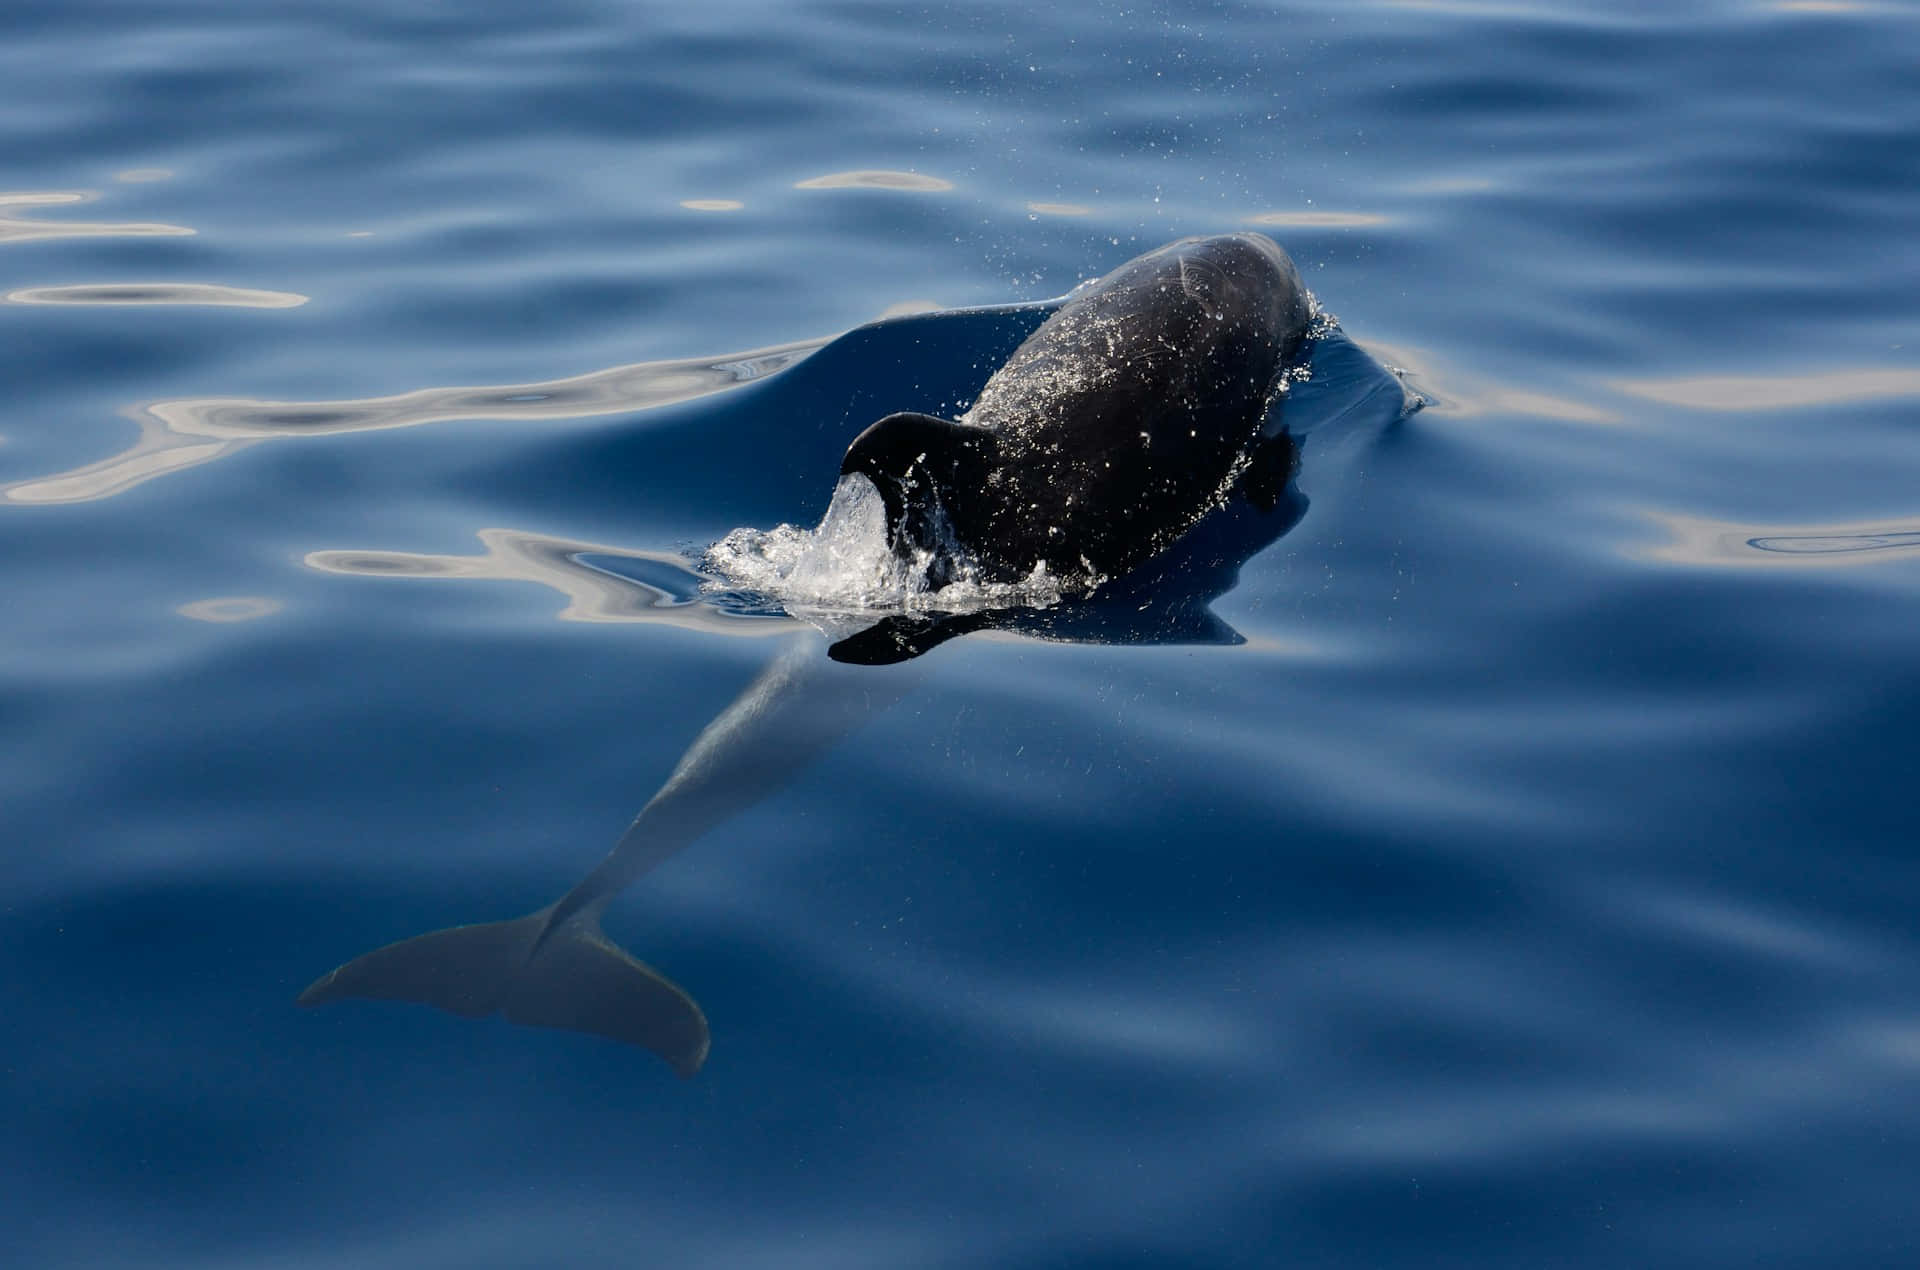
x=567 y=976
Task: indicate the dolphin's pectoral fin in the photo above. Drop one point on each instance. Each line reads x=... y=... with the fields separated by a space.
x=1270 y=465
x=917 y=461
x=904 y=636
x=569 y=977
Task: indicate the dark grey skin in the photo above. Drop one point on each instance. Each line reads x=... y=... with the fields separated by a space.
x=1111 y=430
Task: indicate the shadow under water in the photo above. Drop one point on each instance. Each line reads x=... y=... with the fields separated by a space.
x=554 y=967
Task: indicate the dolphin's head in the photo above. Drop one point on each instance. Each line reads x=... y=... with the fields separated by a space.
x=1244 y=280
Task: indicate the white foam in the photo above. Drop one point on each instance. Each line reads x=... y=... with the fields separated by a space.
x=845 y=565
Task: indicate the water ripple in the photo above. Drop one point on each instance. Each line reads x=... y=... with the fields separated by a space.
x=230 y=608
x=186 y=432
x=1318 y=220
x=134 y=293
x=1467 y=394
x=14 y=229
x=602 y=583
x=875 y=179
x=1702 y=541
x=1777 y=392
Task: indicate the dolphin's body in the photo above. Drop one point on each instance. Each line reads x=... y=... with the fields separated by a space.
x=1133 y=411
x=1110 y=431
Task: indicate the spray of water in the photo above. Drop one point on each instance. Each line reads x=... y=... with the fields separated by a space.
x=846 y=565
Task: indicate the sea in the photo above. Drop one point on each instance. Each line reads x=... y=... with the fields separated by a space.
x=1501 y=850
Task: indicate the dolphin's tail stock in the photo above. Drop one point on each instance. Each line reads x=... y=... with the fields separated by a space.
x=536 y=972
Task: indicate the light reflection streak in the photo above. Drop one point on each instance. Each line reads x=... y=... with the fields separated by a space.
x=1698 y=540
x=1777 y=392
x=875 y=179
x=1468 y=395
x=140 y=293
x=1317 y=220
x=593 y=594
x=14 y=229
x=230 y=608
x=1450 y=185
x=189 y=431
x=908 y=308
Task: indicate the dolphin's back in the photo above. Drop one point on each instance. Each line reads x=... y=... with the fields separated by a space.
x=1112 y=429
x=1121 y=418
x=1197 y=321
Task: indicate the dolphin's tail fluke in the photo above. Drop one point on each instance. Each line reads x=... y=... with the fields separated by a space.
x=568 y=975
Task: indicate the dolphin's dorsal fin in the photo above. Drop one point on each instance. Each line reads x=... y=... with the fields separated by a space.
x=921 y=461
x=900 y=442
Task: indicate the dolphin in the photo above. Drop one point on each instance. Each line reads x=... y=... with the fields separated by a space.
x=1122 y=422
x=1111 y=430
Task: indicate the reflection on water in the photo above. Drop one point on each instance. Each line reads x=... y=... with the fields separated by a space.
x=15 y=229
x=1059 y=209
x=602 y=583
x=1317 y=220
x=230 y=608
x=1450 y=185
x=875 y=179
x=712 y=204
x=1697 y=540
x=189 y=431
x=1466 y=394
x=158 y=293
x=1777 y=392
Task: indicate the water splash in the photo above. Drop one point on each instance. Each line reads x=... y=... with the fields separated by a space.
x=846 y=565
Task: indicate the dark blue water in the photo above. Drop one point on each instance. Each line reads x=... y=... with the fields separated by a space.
x=1533 y=884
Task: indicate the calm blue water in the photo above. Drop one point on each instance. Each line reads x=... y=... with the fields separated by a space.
x=1535 y=884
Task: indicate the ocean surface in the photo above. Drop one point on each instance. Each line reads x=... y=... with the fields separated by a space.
x=1505 y=853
